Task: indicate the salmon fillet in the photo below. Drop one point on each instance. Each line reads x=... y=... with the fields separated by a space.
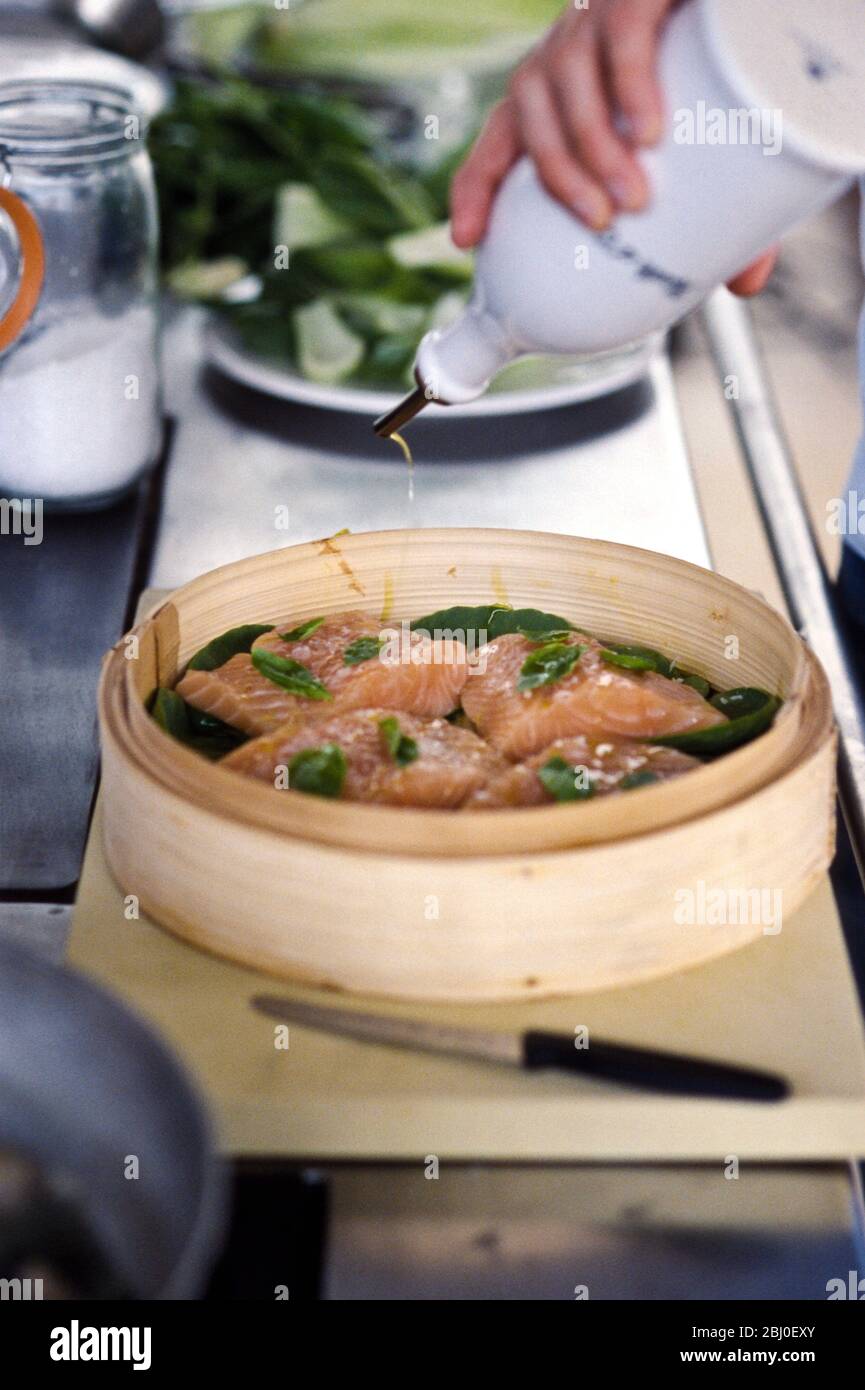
x=425 y=678
x=238 y=695
x=450 y=763
x=607 y=763
x=593 y=698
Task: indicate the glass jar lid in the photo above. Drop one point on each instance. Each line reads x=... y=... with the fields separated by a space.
x=59 y=121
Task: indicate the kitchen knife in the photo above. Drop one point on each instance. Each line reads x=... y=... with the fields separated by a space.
x=667 y=1072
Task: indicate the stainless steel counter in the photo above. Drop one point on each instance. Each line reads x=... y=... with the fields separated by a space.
x=615 y=468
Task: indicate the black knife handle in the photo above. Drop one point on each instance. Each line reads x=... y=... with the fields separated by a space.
x=653 y=1071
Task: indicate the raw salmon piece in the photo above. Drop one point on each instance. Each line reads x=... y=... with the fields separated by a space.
x=451 y=762
x=424 y=677
x=239 y=695
x=595 y=698
x=607 y=763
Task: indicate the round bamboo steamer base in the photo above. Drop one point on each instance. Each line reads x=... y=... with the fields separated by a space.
x=486 y=905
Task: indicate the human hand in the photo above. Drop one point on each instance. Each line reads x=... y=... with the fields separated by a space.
x=580 y=105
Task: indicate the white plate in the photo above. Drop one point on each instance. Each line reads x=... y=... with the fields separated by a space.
x=539 y=383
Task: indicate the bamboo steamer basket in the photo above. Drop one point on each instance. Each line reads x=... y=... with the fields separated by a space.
x=483 y=905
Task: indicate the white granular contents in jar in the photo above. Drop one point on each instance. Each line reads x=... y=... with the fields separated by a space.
x=79 y=406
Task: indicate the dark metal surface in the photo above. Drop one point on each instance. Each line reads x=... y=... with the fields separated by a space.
x=86 y=1090
x=680 y=1232
x=63 y=603
x=405 y=410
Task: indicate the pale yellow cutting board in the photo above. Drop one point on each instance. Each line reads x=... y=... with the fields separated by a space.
x=787 y=1003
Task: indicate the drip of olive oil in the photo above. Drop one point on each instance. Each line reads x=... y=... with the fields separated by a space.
x=398 y=439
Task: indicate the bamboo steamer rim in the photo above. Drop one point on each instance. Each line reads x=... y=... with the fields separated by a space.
x=804 y=721
x=356 y=825
x=657 y=836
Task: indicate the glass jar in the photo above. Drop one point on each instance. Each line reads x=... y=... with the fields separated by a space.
x=80 y=399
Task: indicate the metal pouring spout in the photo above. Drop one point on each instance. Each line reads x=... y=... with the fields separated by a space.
x=406 y=410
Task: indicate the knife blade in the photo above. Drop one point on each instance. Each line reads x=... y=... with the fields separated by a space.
x=665 y=1072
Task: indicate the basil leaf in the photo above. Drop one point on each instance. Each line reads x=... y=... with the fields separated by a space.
x=722 y=738
x=495 y=620
x=642 y=658
x=303 y=631
x=290 y=675
x=561 y=780
x=548 y=664
x=361 y=649
x=528 y=622
x=169 y=710
x=638 y=779
x=402 y=749
x=390 y=733
x=744 y=699
x=630 y=661
x=222 y=649
x=192 y=727
x=203 y=725
x=318 y=771
x=214 y=747
x=549 y=635
x=698 y=683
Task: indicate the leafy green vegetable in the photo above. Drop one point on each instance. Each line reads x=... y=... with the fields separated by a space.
x=635 y=658
x=630 y=661
x=402 y=749
x=298 y=189
x=638 y=779
x=632 y=658
x=211 y=736
x=290 y=675
x=361 y=649
x=319 y=771
x=744 y=699
x=200 y=731
x=564 y=781
x=358 y=265
x=722 y=738
x=169 y=710
x=327 y=349
x=213 y=747
x=206 y=279
x=303 y=630
x=229 y=644
x=495 y=620
x=431 y=247
x=547 y=664
x=374 y=314
x=374 y=198
x=543 y=634
x=223 y=150
x=302 y=219
x=698 y=683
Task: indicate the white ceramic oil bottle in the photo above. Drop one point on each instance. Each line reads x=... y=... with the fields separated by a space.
x=765 y=126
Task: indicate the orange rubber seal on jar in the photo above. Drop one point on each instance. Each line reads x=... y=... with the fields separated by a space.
x=16 y=318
